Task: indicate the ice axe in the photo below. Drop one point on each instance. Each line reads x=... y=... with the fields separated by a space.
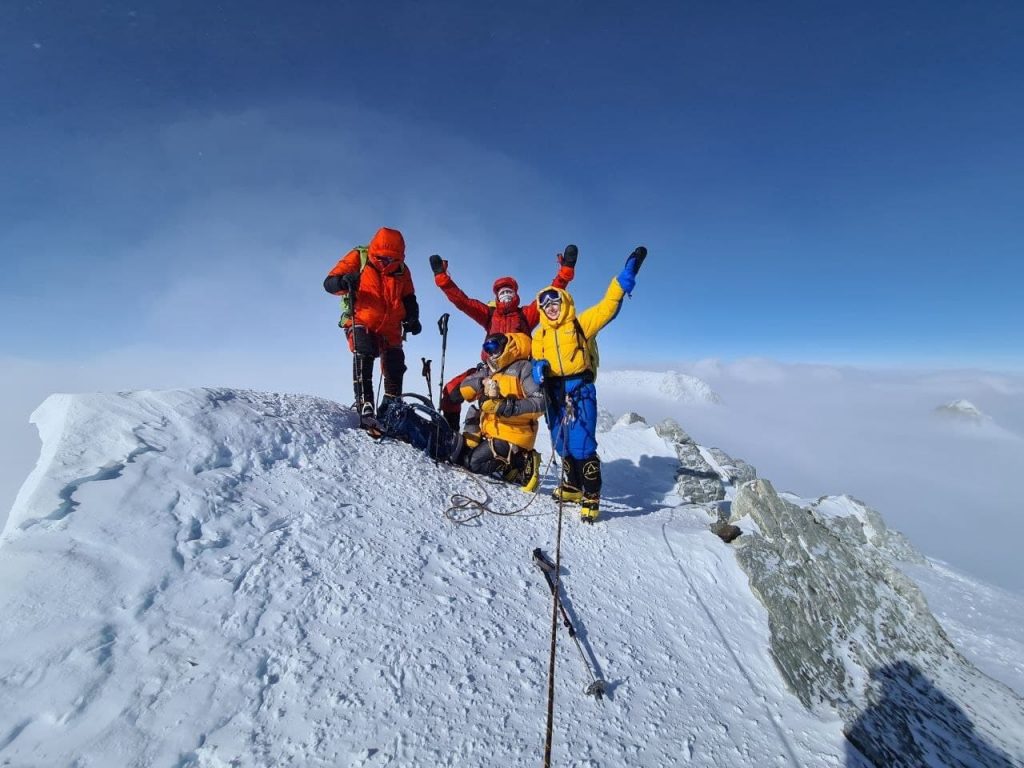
x=597 y=686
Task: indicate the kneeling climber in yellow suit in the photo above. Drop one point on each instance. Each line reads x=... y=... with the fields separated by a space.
x=510 y=405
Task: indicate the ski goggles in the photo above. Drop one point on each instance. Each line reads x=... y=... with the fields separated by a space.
x=505 y=295
x=547 y=298
x=495 y=345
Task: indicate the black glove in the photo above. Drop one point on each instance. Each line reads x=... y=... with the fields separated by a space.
x=350 y=282
x=636 y=258
x=412 y=327
x=336 y=283
x=507 y=407
x=438 y=265
x=568 y=257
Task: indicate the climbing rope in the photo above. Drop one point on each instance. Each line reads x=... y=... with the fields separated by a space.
x=549 y=730
x=464 y=508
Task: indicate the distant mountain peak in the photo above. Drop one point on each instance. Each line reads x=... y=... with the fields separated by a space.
x=662 y=385
x=962 y=410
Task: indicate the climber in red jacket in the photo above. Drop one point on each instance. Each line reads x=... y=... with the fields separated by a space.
x=502 y=315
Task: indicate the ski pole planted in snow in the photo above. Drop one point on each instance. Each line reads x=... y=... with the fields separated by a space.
x=597 y=686
x=442 y=327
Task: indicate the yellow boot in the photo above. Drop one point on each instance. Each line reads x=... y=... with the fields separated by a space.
x=567 y=493
x=590 y=508
x=532 y=473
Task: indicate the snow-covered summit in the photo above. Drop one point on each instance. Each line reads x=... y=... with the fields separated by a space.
x=664 y=385
x=962 y=411
x=220 y=577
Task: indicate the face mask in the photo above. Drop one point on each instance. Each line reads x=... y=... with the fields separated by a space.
x=506 y=295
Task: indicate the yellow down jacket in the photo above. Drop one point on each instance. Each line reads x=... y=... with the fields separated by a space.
x=558 y=341
x=513 y=374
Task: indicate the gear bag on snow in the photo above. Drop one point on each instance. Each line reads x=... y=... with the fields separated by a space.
x=419 y=425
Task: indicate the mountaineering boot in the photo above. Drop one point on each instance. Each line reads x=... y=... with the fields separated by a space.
x=368 y=420
x=567 y=493
x=590 y=508
x=385 y=403
x=531 y=473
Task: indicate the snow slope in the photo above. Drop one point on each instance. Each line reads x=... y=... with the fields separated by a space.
x=228 y=578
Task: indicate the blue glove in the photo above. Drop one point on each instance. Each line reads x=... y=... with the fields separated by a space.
x=627 y=277
x=627 y=280
x=541 y=368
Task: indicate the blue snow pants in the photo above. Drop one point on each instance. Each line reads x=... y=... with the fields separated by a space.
x=571 y=413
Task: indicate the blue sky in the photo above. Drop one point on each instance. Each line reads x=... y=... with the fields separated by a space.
x=815 y=181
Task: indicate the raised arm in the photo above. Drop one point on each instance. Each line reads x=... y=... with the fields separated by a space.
x=566 y=272
x=476 y=310
x=598 y=316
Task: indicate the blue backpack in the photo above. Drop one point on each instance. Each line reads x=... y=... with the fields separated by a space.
x=418 y=424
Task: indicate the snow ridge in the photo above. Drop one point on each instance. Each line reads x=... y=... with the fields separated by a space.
x=221 y=577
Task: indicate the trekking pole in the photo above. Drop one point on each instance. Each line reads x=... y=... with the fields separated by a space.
x=597 y=686
x=426 y=375
x=442 y=327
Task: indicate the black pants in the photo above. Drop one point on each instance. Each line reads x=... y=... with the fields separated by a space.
x=367 y=347
x=491 y=456
x=582 y=474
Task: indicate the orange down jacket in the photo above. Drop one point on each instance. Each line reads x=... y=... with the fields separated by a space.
x=384 y=285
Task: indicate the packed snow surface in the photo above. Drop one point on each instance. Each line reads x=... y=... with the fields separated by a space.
x=227 y=578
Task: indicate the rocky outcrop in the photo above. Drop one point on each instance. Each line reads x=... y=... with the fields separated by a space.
x=856 y=523
x=697 y=481
x=630 y=418
x=850 y=632
x=738 y=470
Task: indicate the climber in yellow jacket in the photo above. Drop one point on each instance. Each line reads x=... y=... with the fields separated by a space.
x=566 y=366
x=510 y=405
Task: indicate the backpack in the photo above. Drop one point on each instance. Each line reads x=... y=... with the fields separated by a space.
x=420 y=425
x=347 y=308
x=592 y=356
x=345 y=321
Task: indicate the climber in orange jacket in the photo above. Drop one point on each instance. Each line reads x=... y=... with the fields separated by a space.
x=378 y=308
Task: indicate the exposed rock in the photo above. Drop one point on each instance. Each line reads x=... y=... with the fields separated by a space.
x=696 y=481
x=605 y=420
x=856 y=523
x=727 y=532
x=739 y=471
x=630 y=418
x=670 y=430
x=851 y=632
